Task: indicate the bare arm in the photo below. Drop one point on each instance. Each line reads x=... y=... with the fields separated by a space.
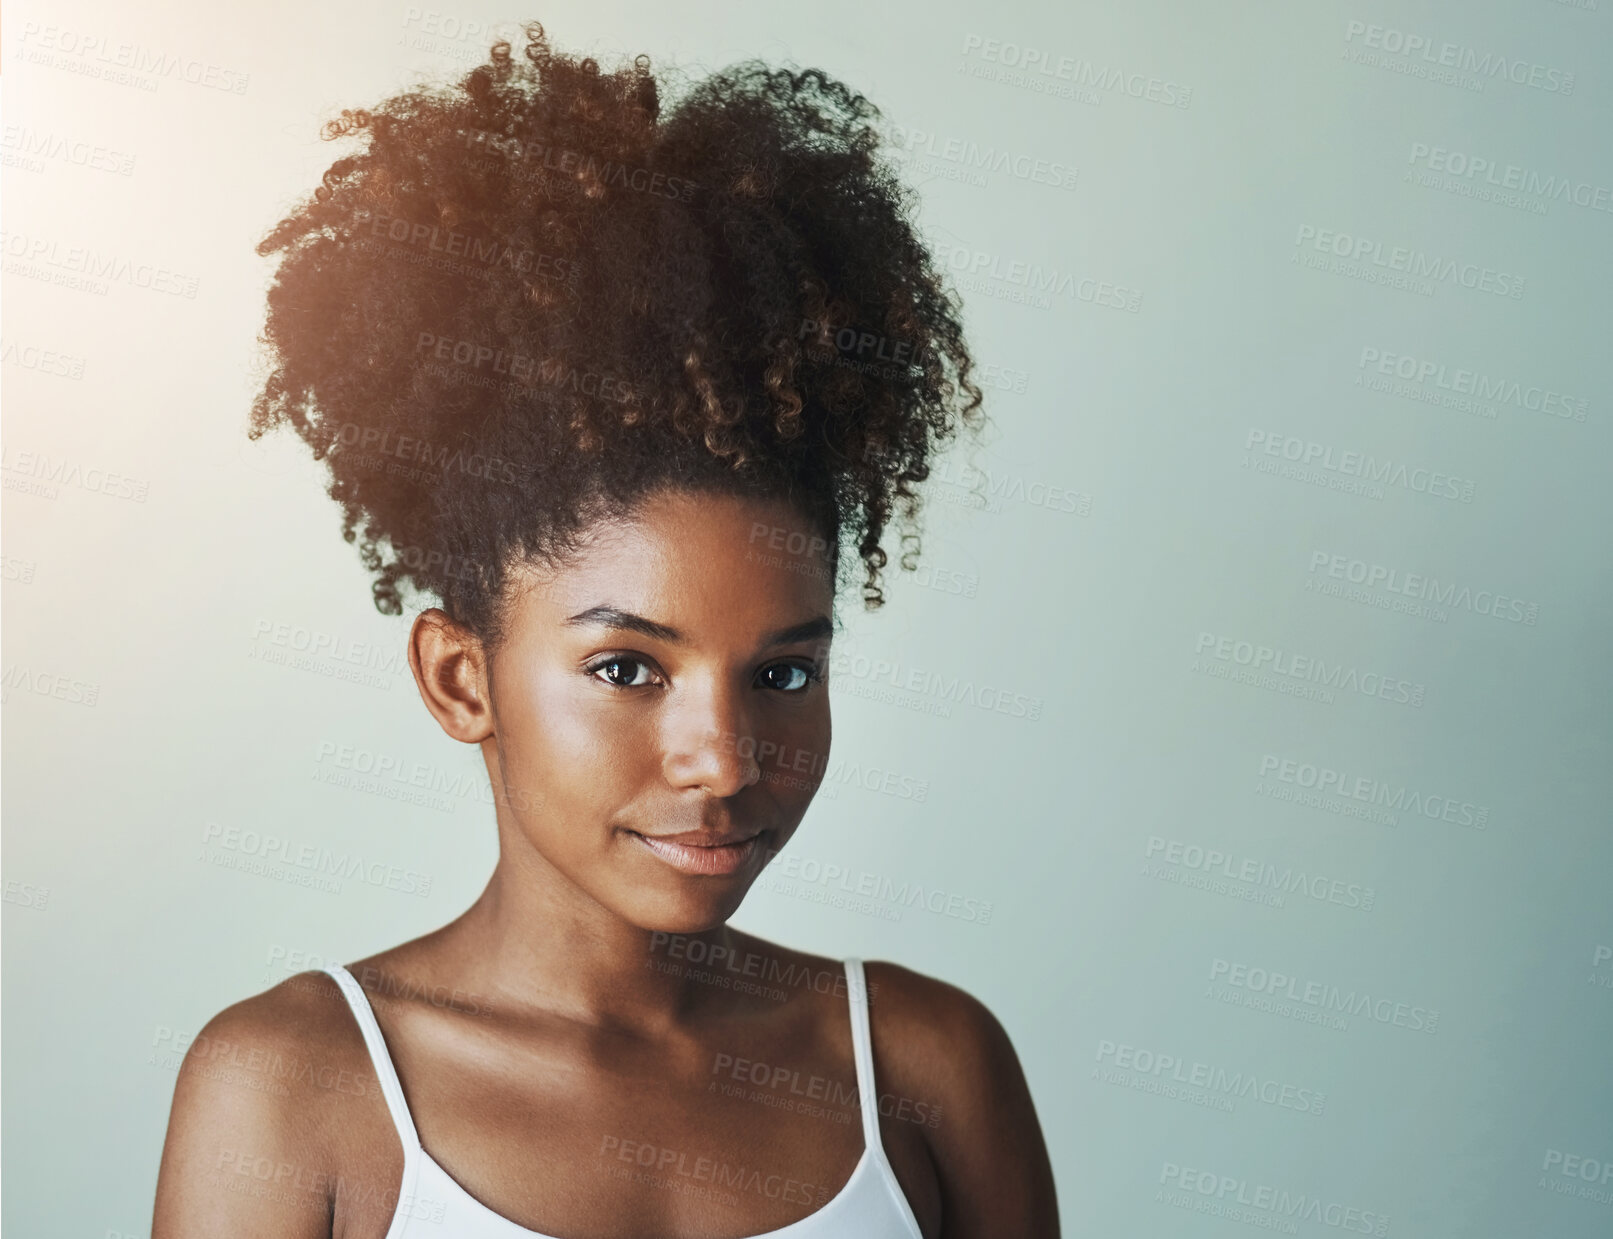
x=242 y=1157
x=996 y=1178
x=990 y=1157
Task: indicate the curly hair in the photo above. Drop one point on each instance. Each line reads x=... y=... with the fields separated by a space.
x=533 y=299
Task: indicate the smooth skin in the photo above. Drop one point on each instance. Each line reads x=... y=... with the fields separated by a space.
x=547 y=1036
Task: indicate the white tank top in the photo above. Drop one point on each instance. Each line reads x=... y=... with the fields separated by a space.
x=431 y=1205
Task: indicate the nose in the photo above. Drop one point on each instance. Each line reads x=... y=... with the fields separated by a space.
x=708 y=741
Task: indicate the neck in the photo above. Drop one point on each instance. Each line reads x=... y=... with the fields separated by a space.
x=535 y=943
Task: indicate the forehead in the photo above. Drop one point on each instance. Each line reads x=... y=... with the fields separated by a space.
x=698 y=562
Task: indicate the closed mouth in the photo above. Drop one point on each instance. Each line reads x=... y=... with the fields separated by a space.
x=702 y=858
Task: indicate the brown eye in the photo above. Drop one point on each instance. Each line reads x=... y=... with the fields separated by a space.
x=795 y=677
x=612 y=667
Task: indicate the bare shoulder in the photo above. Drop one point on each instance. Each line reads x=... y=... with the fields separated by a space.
x=937 y=1044
x=288 y=1043
x=254 y=1051
x=268 y=1082
x=935 y=1033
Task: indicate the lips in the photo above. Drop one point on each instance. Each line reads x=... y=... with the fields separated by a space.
x=706 y=838
x=700 y=852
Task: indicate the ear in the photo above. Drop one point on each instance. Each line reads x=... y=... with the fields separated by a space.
x=450 y=669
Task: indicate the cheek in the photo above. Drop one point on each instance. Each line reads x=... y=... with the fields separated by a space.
x=562 y=741
x=798 y=755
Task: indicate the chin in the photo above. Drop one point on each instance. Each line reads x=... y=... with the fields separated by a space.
x=687 y=916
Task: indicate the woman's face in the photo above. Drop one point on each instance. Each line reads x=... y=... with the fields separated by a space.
x=660 y=707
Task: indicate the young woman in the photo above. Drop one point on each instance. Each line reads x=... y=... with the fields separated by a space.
x=613 y=384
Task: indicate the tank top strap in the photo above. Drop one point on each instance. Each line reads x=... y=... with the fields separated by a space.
x=862 y=1046
x=385 y=1073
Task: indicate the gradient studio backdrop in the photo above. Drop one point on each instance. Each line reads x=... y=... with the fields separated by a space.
x=1246 y=733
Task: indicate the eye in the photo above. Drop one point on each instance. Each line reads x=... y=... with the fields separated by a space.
x=797 y=677
x=619 y=661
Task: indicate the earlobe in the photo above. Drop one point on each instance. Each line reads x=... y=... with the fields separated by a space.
x=450 y=670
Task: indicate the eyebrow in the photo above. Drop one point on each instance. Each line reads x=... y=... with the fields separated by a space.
x=819 y=627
